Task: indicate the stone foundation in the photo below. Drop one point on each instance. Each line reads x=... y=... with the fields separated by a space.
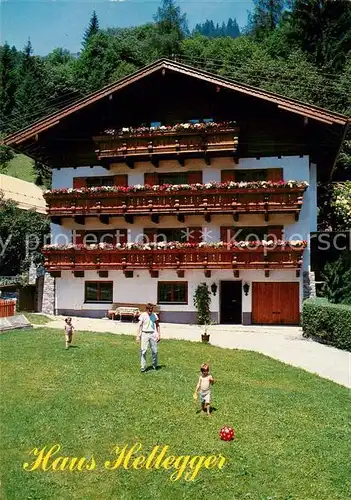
x=309 y=285
x=48 y=302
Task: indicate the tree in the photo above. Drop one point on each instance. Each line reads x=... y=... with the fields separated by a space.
x=342 y=204
x=9 y=80
x=92 y=29
x=323 y=30
x=337 y=277
x=202 y=302
x=22 y=234
x=233 y=29
x=171 y=28
x=32 y=91
x=266 y=16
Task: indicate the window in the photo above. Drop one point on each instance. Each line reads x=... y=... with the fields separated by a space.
x=176 y=234
x=251 y=233
x=172 y=292
x=250 y=175
x=100 y=181
x=99 y=291
x=94 y=237
x=173 y=178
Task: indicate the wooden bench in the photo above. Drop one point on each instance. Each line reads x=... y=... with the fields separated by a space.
x=118 y=310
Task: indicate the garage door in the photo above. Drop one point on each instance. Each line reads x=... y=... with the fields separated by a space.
x=275 y=303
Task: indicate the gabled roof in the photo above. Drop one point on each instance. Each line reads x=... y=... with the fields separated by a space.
x=27 y=195
x=282 y=102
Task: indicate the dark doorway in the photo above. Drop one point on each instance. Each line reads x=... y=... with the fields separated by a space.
x=231 y=297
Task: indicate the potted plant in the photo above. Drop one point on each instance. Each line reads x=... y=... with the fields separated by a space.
x=205 y=337
x=202 y=302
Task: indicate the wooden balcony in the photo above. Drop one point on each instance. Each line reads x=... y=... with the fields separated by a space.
x=188 y=202
x=165 y=143
x=182 y=259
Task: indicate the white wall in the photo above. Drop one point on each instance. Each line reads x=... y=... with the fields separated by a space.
x=142 y=288
x=294 y=167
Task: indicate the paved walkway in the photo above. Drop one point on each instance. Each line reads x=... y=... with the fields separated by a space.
x=283 y=343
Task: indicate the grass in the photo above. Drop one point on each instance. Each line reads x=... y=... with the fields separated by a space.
x=293 y=439
x=36 y=319
x=21 y=167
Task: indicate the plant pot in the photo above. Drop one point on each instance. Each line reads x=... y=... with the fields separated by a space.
x=205 y=338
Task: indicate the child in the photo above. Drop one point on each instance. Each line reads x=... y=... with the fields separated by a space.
x=203 y=388
x=68 y=331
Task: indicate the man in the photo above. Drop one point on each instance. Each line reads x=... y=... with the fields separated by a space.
x=149 y=333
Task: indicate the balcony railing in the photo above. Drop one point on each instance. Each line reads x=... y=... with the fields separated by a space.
x=83 y=259
x=188 y=202
x=167 y=140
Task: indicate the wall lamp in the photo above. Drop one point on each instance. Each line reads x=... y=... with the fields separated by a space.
x=214 y=288
x=246 y=288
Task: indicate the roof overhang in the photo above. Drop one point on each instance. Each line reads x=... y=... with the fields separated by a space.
x=164 y=65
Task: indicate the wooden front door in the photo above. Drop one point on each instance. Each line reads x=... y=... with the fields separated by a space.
x=275 y=303
x=231 y=302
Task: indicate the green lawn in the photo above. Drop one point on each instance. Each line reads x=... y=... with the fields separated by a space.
x=36 y=319
x=21 y=167
x=293 y=440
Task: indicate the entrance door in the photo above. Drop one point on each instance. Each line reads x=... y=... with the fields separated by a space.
x=231 y=297
x=275 y=303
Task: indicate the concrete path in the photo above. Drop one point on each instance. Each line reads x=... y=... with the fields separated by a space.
x=283 y=343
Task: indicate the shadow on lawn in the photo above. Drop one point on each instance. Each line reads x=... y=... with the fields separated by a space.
x=212 y=410
x=150 y=369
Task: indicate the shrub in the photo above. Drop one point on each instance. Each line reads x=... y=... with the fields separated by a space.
x=331 y=323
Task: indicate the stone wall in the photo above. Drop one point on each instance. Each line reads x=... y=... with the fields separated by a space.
x=309 y=285
x=48 y=302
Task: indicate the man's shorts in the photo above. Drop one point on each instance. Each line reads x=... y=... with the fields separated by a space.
x=205 y=397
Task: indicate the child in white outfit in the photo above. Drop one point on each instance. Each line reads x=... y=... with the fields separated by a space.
x=203 y=388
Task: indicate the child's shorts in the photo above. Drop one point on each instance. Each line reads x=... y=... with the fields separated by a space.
x=205 y=397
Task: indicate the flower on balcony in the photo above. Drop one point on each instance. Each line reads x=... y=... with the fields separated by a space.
x=177 y=187
x=177 y=245
x=138 y=131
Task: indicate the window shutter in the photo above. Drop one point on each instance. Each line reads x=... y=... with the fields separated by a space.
x=150 y=234
x=195 y=177
x=274 y=174
x=227 y=233
x=122 y=239
x=150 y=179
x=227 y=175
x=276 y=231
x=79 y=182
x=79 y=237
x=121 y=180
x=195 y=235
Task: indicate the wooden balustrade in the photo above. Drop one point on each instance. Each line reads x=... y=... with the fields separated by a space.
x=7 y=308
x=181 y=259
x=167 y=142
x=211 y=201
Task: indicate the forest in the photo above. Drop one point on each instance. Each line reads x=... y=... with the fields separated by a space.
x=298 y=48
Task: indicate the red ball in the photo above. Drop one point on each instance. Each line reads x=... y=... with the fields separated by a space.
x=227 y=433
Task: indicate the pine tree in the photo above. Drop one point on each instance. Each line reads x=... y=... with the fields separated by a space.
x=233 y=28
x=31 y=93
x=8 y=76
x=266 y=16
x=172 y=27
x=92 y=29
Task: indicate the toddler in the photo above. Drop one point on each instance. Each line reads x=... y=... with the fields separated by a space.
x=203 y=388
x=68 y=331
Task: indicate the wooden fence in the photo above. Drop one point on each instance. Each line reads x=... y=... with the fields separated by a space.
x=7 y=308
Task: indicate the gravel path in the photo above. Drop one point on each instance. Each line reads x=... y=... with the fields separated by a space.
x=283 y=343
